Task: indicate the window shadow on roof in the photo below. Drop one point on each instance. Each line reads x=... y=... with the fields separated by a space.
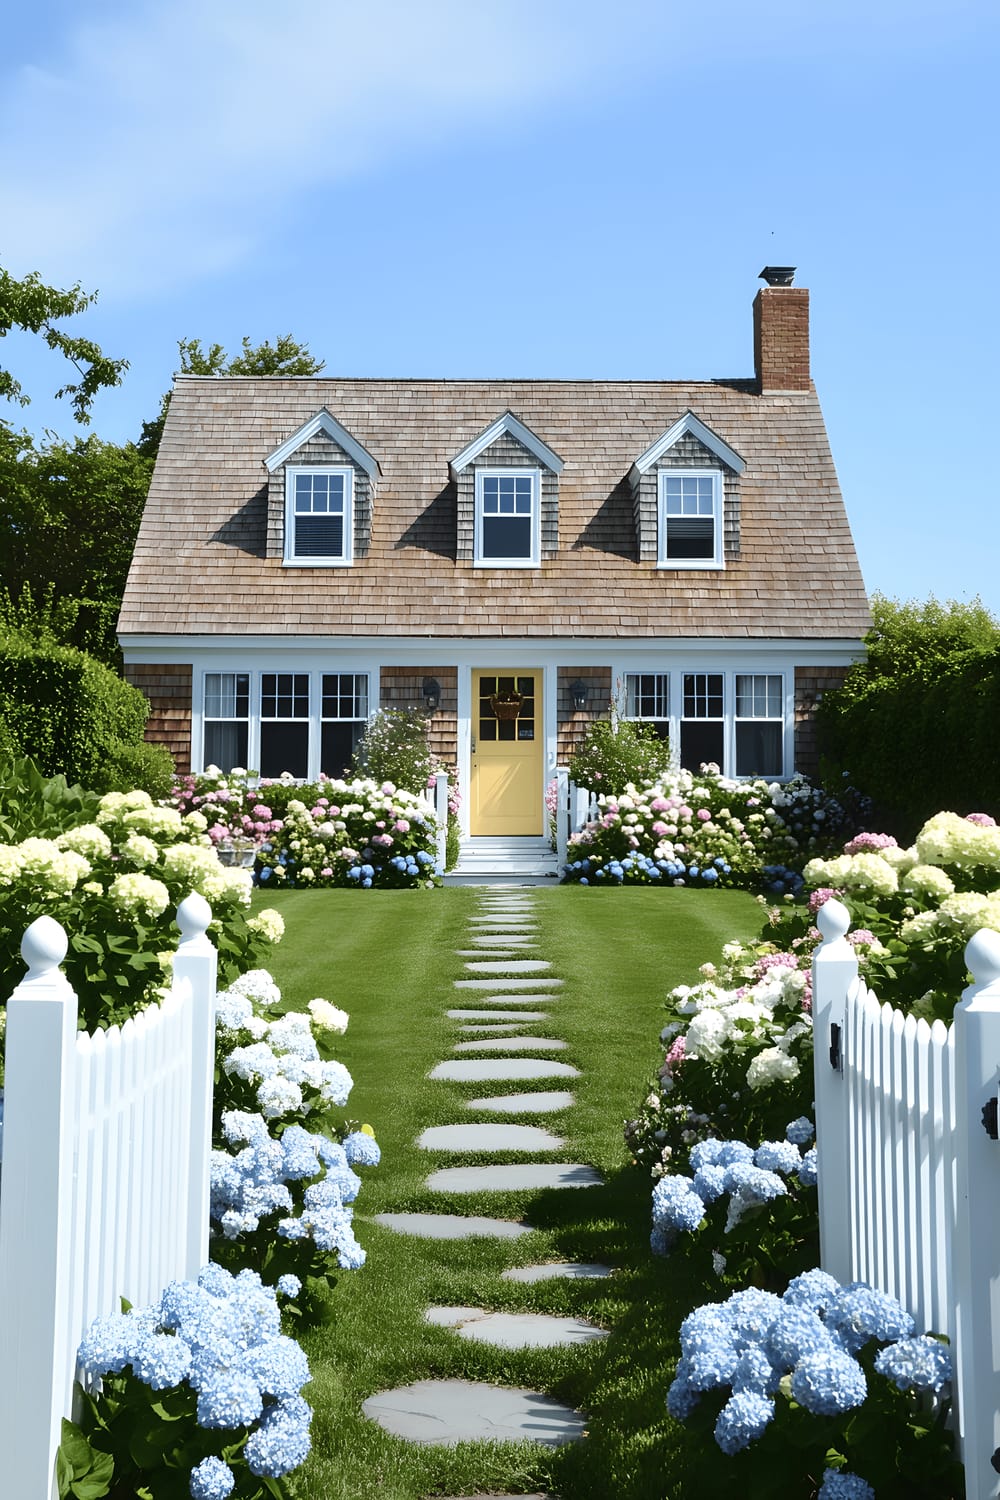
x=435 y=529
x=247 y=530
x=612 y=528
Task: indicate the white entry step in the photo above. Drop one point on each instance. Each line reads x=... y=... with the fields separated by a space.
x=504 y=861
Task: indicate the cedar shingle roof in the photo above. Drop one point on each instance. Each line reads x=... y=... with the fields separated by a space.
x=200 y=567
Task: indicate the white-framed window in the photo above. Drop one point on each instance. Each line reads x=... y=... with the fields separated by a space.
x=508 y=523
x=226 y=720
x=703 y=725
x=284 y=724
x=319 y=516
x=760 y=724
x=647 y=697
x=343 y=715
x=689 y=524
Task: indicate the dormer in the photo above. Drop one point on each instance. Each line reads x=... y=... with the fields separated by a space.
x=321 y=496
x=686 y=499
x=507 y=483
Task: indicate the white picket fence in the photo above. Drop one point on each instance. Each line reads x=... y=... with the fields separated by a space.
x=575 y=807
x=909 y=1165
x=104 y=1189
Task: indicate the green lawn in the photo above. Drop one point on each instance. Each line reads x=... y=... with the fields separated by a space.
x=389 y=959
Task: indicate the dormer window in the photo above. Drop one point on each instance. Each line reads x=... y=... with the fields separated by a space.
x=690 y=518
x=507 y=518
x=319 y=525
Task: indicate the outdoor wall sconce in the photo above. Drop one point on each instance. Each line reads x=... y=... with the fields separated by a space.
x=578 y=693
x=432 y=694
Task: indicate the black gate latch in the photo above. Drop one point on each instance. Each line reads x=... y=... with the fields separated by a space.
x=990 y=1124
x=835 y=1047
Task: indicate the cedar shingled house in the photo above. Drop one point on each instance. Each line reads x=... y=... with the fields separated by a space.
x=506 y=555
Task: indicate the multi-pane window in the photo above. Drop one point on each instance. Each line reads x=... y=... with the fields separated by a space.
x=284 y=723
x=690 y=529
x=318 y=515
x=344 y=712
x=226 y=719
x=759 y=724
x=507 y=528
x=703 y=735
x=647 y=697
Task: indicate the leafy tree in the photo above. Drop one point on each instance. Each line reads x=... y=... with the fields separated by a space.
x=33 y=307
x=915 y=725
x=286 y=356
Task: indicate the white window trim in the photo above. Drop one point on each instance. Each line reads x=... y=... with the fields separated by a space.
x=255 y=719
x=290 y=559
x=717 y=560
x=535 y=475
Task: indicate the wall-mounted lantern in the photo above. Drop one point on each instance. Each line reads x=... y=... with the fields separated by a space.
x=432 y=694
x=578 y=694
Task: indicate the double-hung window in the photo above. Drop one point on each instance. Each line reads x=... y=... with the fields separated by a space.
x=319 y=516
x=284 y=723
x=760 y=724
x=647 y=697
x=703 y=727
x=508 y=529
x=226 y=720
x=690 y=518
x=344 y=713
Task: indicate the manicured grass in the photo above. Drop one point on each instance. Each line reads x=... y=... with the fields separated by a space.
x=389 y=959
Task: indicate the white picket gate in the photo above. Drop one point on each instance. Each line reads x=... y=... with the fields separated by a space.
x=909 y=1165
x=104 y=1188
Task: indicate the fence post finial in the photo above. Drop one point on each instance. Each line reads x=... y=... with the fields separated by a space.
x=833 y=919
x=193 y=917
x=43 y=947
x=982 y=959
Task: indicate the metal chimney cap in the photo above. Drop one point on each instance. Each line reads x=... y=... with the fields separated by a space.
x=777 y=275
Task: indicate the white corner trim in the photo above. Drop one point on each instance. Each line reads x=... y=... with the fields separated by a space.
x=508 y=423
x=692 y=424
x=323 y=421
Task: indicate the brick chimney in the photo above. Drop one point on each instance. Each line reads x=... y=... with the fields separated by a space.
x=781 y=332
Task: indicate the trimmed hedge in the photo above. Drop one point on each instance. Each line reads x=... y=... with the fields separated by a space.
x=919 y=743
x=69 y=713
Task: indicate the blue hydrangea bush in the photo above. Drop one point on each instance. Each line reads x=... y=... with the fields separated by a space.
x=705 y=830
x=199 y=1395
x=825 y=1387
x=283 y=1179
x=360 y=833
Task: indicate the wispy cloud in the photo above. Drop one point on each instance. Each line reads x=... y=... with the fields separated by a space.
x=155 y=144
x=158 y=143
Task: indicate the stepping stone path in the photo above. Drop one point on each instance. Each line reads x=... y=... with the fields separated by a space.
x=457 y=1411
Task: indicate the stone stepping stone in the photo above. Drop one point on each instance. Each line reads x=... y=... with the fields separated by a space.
x=503 y=939
x=488 y=1137
x=463 y=1411
x=514 y=966
x=494 y=949
x=453 y=1226
x=507 y=1027
x=532 y=998
x=524 y=1104
x=514 y=1330
x=572 y=1270
x=503 y=924
x=497 y=1015
x=508 y=984
x=513 y=1177
x=498 y=1069
x=512 y=1044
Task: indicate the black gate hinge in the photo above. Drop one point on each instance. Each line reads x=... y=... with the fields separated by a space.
x=990 y=1121
x=835 y=1057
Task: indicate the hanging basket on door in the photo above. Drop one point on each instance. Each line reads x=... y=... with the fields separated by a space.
x=506 y=707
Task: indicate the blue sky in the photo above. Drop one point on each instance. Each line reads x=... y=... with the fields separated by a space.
x=547 y=188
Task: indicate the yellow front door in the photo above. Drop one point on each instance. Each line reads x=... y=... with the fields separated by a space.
x=506 y=778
